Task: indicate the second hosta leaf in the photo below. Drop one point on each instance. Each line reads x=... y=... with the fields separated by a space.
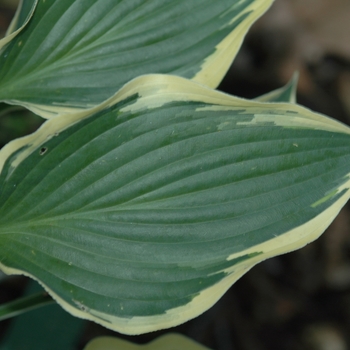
x=76 y=54
x=141 y=213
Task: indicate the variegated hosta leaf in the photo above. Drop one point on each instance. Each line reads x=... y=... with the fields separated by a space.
x=141 y=213
x=76 y=54
x=286 y=93
x=165 y=342
x=24 y=13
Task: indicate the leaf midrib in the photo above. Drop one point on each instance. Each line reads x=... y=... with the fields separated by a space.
x=87 y=214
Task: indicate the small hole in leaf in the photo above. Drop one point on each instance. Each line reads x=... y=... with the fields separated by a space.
x=43 y=150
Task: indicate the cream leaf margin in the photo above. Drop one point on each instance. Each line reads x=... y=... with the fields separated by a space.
x=216 y=65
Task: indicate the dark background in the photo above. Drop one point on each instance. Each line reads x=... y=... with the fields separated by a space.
x=298 y=301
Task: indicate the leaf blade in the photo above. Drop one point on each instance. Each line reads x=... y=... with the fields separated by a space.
x=144 y=211
x=61 y=63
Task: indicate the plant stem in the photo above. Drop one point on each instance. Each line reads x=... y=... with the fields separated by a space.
x=24 y=304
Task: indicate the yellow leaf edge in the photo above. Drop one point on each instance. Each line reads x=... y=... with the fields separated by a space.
x=216 y=65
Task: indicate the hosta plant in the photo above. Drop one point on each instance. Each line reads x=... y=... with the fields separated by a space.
x=147 y=194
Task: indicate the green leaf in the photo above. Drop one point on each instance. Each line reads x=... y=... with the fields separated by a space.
x=74 y=55
x=141 y=213
x=287 y=93
x=166 y=342
x=23 y=14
